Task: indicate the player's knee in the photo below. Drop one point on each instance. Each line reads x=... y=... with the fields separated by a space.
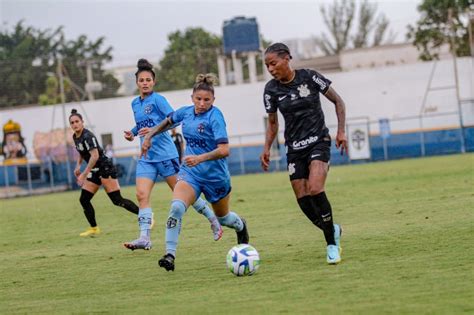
x=86 y=197
x=116 y=198
x=177 y=210
x=316 y=189
x=142 y=196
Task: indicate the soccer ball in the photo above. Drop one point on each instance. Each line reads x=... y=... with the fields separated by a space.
x=243 y=260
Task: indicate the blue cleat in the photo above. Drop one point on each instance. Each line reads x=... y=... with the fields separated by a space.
x=337 y=236
x=141 y=243
x=333 y=256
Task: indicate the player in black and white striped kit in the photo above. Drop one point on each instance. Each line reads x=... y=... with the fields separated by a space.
x=295 y=93
x=99 y=171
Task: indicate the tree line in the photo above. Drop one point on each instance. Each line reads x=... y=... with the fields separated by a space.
x=31 y=58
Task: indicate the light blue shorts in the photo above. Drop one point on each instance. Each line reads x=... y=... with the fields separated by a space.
x=152 y=170
x=213 y=191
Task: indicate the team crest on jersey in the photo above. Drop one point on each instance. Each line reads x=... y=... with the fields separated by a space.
x=148 y=109
x=304 y=91
x=80 y=147
x=200 y=128
x=267 y=101
x=291 y=169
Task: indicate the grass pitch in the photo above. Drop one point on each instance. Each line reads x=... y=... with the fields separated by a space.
x=407 y=248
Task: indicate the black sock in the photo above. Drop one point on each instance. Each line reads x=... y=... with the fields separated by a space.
x=306 y=205
x=118 y=200
x=323 y=207
x=89 y=212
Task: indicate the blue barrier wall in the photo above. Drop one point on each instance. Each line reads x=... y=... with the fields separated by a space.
x=245 y=159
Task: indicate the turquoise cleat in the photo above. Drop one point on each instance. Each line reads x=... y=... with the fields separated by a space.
x=333 y=256
x=337 y=236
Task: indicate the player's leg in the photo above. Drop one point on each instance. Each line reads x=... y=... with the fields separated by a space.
x=169 y=170
x=112 y=187
x=219 y=196
x=316 y=181
x=146 y=174
x=87 y=193
x=298 y=172
x=183 y=195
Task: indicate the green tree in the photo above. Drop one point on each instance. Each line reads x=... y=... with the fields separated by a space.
x=435 y=29
x=340 y=17
x=28 y=56
x=188 y=53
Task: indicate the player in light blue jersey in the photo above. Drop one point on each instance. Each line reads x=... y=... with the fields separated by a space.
x=149 y=109
x=204 y=169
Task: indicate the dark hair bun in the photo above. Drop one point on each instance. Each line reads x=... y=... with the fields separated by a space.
x=73 y=111
x=143 y=64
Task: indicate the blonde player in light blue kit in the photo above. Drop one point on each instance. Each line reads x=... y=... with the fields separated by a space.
x=204 y=169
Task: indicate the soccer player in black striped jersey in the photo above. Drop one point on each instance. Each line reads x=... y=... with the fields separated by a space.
x=99 y=171
x=296 y=94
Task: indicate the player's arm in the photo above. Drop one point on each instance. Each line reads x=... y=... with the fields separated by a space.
x=77 y=170
x=161 y=127
x=341 y=139
x=270 y=134
x=220 y=152
x=93 y=159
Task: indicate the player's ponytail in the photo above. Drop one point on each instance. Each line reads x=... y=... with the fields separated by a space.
x=205 y=82
x=144 y=65
x=75 y=113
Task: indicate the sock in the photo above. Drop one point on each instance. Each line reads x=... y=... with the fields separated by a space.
x=118 y=200
x=306 y=204
x=89 y=212
x=202 y=207
x=232 y=220
x=173 y=225
x=144 y=222
x=323 y=207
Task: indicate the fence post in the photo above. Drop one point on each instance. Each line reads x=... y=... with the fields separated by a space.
x=422 y=137
x=241 y=157
x=28 y=175
x=7 y=184
x=51 y=173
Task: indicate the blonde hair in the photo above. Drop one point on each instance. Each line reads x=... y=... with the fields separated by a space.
x=205 y=82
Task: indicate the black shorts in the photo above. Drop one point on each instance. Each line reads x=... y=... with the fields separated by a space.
x=298 y=163
x=106 y=170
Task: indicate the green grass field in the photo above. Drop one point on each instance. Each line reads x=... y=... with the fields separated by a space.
x=408 y=249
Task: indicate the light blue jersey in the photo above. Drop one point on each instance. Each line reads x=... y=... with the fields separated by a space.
x=149 y=112
x=203 y=133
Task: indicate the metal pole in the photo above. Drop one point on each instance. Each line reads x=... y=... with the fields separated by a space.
x=28 y=175
x=422 y=137
x=65 y=125
x=7 y=184
x=241 y=157
x=51 y=173
x=456 y=82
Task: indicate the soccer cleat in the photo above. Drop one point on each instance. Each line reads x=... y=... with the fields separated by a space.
x=92 y=231
x=243 y=236
x=167 y=262
x=337 y=236
x=333 y=256
x=216 y=229
x=141 y=243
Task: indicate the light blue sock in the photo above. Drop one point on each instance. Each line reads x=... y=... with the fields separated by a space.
x=145 y=216
x=203 y=208
x=173 y=225
x=232 y=220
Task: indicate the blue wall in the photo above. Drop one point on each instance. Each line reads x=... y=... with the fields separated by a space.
x=406 y=145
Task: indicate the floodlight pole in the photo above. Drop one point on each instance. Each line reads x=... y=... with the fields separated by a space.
x=65 y=125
